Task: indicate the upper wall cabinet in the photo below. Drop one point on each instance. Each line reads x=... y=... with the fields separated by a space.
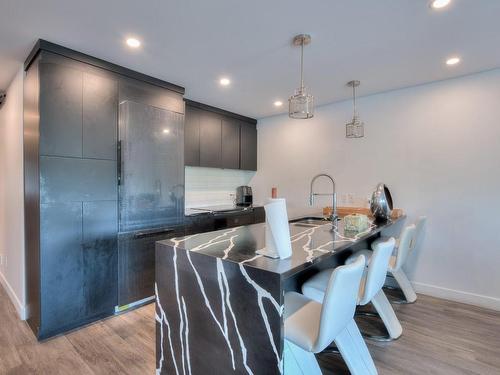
x=192 y=136
x=216 y=138
x=248 y=147
x=230 y=152
x=210 y=140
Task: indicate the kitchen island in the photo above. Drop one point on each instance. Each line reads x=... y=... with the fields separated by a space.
x=219 y=305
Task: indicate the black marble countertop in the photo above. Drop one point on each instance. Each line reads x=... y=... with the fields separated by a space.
x=310 y=244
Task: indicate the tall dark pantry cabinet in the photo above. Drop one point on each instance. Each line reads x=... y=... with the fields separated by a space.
x=75 y=209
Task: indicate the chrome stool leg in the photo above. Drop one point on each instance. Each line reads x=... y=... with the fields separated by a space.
x=330 y=349
x=397 y=301
x=378 y=338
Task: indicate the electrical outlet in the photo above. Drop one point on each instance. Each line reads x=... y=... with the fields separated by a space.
x=350 y=199
x=1 y=259
x=343 y=199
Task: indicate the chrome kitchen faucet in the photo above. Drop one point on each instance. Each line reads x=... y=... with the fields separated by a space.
x=334 y=217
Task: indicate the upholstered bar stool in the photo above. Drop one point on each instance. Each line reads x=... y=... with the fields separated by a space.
x=400 y=257
x=311 y=326
x=406 y=244
x=419 y=229
x=370 y=288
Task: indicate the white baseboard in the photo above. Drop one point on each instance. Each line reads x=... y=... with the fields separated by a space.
x=457 y=296
x=20 y=308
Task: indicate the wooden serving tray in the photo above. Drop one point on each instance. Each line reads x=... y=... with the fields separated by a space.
x=344 y=211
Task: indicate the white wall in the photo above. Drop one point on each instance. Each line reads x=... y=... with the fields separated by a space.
x=11 y=195
x=437 y=147
x=213 y=186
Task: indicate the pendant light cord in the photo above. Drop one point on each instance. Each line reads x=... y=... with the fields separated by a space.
x=354 y=99
x=302 y=66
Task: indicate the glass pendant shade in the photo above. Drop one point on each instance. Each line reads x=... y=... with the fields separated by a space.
x=301 y=105
x=355 y=128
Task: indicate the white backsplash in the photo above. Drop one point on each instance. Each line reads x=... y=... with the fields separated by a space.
x=213 y=186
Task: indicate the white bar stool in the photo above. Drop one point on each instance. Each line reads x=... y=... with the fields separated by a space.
x=419 y=229
x=397 y=272
x=311 y=326
x=370 y=288
x=407 y=243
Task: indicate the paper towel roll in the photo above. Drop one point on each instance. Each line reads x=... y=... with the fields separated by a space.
x=277 y=229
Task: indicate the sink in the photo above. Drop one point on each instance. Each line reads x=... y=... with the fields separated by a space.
x=310 y=221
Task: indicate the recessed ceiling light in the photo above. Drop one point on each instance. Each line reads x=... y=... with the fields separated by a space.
x=453 y=61
x=133 y=43
x=166 y=131
x=225 y=81
x=278 y=103
x=438 y=4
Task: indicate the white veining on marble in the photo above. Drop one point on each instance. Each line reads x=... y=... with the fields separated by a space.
x=225 y=293
x=351 y=239
x=214 y=241
x=308 y=233
x=209 y=306
x=181 y=315
x=222 y=300
x=251 y=259
x=338 y=238
x=226 y=303
x=229 y=248
x=261 y=294
x=321 y=247
x=188 y=354
x=307 y=246
x=163 y=319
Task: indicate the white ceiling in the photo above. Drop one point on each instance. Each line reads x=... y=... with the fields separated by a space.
x=386 y=44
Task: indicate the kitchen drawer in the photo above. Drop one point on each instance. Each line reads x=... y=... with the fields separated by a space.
x=136 y=263
x=260 y=214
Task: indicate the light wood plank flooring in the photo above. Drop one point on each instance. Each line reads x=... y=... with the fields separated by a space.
x=440 y=337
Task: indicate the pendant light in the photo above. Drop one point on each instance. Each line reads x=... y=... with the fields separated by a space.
x=301 y=104
x=355 y=128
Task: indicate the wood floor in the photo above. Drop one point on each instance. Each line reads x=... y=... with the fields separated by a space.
x=439 y=337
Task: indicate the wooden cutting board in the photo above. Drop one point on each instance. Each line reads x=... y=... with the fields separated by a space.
x=344 y=211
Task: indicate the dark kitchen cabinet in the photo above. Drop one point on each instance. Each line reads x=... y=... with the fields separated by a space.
x=207 y=222
x=216 y=138
x=136 y=268
x=71 y=108
x=210 y=140
x=230 y=144
x=136 y=264
x=99 y=100
x=76 y=280
x=248 y=147
x=61 y=88
x=192 y=137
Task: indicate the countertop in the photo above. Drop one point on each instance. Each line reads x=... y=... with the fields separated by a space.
x=310 y=244
x=211 y=209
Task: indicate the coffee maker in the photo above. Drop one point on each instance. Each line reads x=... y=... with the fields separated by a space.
x=244 y=196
